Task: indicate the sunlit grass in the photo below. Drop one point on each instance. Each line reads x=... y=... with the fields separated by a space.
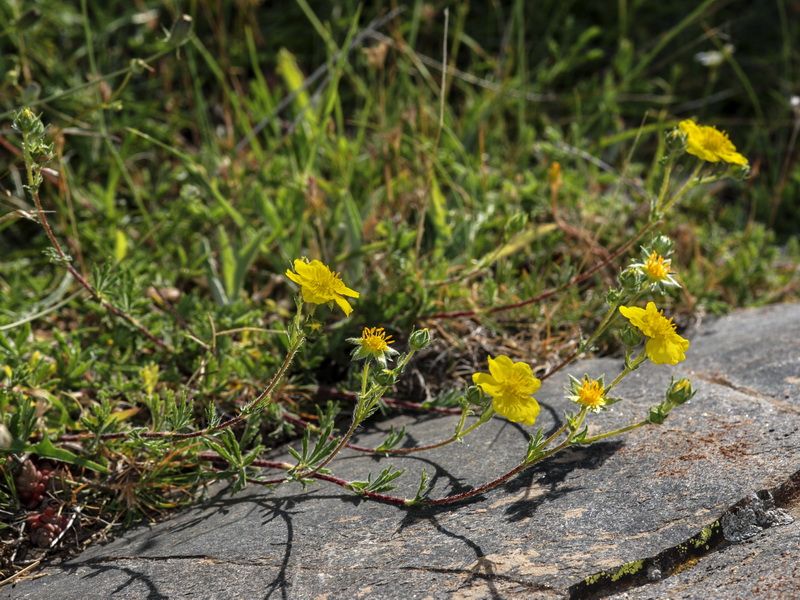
x=184 y=181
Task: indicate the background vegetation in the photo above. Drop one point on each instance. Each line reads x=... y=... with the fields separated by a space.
x=185 y=180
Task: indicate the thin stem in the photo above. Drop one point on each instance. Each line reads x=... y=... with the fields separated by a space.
x=315 y=429
x=629 y=367
x=610 y=315
x=342 y=442
x=34 y=190
x=474 y=492
x=364 y=375
x=601 y=327
x=255 y=404
x=601 y=436
x=459 y=435
x=664 y=186
x=557 y=433
x=368 y=450
x=518 y=469
x=690 y=182
x=364 y=405
x=405 y=501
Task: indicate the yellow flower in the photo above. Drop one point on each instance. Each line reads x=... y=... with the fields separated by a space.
x=150 y=375
x=654 y=265
x=708 y=143
x=314 y=327
x=320 y=285
x=511 y=386
x=591 y=394
x=375 y=339
x=664 y=345
x=373 y=343
x=657 y=267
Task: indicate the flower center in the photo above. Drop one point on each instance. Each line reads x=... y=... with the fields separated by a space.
x=517 y=385
x=657 y=267
x=324 y=282
x=592 y=394
x=660 y=326
x=375 y=339
x=713 y=139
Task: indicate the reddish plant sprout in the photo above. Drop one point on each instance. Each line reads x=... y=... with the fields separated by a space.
x=32 y=482
x=46 y=527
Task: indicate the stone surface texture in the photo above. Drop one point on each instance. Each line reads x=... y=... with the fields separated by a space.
x=640 y=515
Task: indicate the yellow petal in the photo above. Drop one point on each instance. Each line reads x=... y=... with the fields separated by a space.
x=515 y=411
x=689 y=127
x=499 y=367
x=634 y=314
x=344 y=305
x=667 y=349
x=346 y=291
x=294 y=277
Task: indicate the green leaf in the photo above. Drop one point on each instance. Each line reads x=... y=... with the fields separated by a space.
x=227 y=263
x=393 y=439
x=438 y=211
x=381 y=484
x=244 y=259
x=45 y=449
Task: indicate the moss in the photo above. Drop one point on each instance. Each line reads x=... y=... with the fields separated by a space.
x=628 y=569
x=701 y=539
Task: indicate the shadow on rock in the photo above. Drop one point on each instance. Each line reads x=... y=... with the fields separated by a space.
x=552 y=474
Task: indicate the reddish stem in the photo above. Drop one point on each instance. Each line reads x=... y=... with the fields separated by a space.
x=82 y=280
x=372 y=495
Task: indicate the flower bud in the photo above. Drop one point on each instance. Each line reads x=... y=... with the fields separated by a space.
x=658 y=414
x=680 y=391
x=662 y=245
x=386 y=377
x=475 y=396
x=631 y=336
x=740 y=172
x=632 y=279
x=676 y=141
x=26 y=121
x=419 y=339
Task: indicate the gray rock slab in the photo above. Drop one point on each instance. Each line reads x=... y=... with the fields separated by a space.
x=756 y=354
x=621 y=513
x=767 y=565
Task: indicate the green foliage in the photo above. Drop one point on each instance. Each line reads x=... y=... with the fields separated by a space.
x=181 y=165
x=382 y=483
x=309 y=455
